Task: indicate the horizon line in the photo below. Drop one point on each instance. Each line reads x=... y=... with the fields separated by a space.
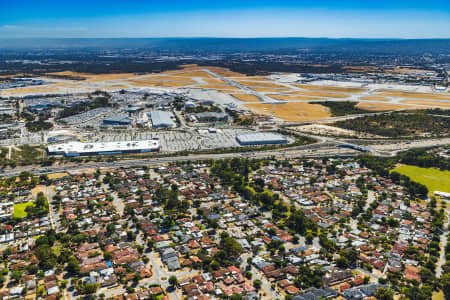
x=234 y=37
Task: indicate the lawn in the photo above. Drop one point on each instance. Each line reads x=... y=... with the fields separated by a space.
x=19 y=209
x=438 y=295
x=434 y=179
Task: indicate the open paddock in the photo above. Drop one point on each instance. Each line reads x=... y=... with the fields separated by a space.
x=151 y=83
x=193 y=73
x=421 y=96
x=327 y=88
x=374 y=98
x=322 y=94
x=376 y=106
x=268 y=90
x=428 y=103
x=220 y=71
x=216 y=86
x=266 y=84
x=292 y=97
x=246 y=97
x=213 y=81
x=292 y=112
x=168 y=78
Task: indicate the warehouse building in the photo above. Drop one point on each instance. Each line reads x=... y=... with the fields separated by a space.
x=73 y=149
x=211 y=117
x=261 y=138
x=162 y=118
x=117 y=119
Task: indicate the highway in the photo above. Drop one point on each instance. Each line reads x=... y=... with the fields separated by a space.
x=157 y=161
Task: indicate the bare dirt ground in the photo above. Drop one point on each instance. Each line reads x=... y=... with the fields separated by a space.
x=322 y=129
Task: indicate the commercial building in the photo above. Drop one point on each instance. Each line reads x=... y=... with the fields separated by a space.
x=261 y=138
x=189 y=104
x=72 y=149
x=162 y=118
x=117 y=119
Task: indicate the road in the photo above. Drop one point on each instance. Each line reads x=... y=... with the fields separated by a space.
x=443 y=242
x=158 y=271
x=258 y=275
x=117 y=202
x=53 y=217
x=297 y=151
x=264 y=98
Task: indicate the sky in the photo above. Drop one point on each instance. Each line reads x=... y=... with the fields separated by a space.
x=229 y=18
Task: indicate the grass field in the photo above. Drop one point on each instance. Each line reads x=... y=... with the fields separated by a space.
x=438 y=295
x=19 y=209
x=293 y=111
x=168 y=78
x=434 y=179
x=246 y=97
x=264 y=84
x=154 y=83
x=213 y=80
x=57 y=175
x=384 y=106
x=216 y=86
x=430 y=103
x=320 y=94
x=292 y=97
x=326 y=88
x=423 y=96
x=267 y=90
x=376 y=98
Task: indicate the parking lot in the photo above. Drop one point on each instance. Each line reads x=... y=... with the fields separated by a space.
x=175 y=141
x=86 y=116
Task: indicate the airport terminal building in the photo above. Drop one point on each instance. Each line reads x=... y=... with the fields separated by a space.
x=73 y=149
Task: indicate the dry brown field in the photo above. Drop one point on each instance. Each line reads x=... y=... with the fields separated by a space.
x=384 y=106
x=292 y=111
x=330 y=88
x=216 y=86
x=377 y=98
x=422 y=96
x=246 y=97
x=292 y=97
x=430 y=103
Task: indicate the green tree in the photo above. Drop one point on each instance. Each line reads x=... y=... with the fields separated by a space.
x=257 y=284
x=73 y=267
x=173 y=280
x=384 y=294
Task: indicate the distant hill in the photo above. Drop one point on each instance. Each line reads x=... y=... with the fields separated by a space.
x=224 y=45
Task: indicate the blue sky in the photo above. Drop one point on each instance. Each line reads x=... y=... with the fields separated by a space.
x=283 y=18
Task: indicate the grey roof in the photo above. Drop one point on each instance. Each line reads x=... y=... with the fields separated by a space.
x=370 y=289
x=117 y=118
x=210 y=114
x=161 y=118
x=261 y=137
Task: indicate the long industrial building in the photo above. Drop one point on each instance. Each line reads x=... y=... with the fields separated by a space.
x=73 y=149
x=261 y=138
x=117 y=119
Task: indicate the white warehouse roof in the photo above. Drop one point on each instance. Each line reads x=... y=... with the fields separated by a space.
x=81 y=148
x=260 y=138
x=162 y=118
